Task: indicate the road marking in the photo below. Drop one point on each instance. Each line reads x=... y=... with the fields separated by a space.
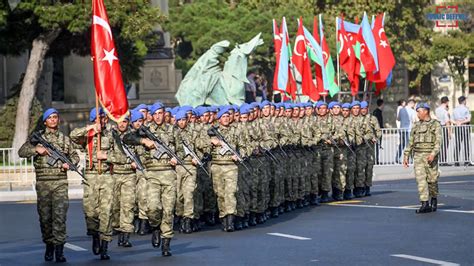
x=398 y=208
x=289 y=236
x=438 y=262
x=456 y=182
x=74 y=247
x=418 y=206
x=347 y=201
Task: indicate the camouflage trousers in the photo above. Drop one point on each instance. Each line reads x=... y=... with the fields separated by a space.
x=124 y=202
x=361 y=165
x=340 y=168
x=53 y=203
x=253 y=183
x=290 y=194
x=299 y=175
x=426 y=175
x=186 y=191
x=243 y=192
x=275 y=184
x=209 y=199
x=369 y=169
x=161 y=196
x=224 y=178
x=280 y=173
x=351 y=170
x=97 y=204
x=313 y=168
x=263 y=196
x=325 y=163
x=141 y=195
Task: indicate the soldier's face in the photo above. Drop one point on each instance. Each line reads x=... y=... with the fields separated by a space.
x=149 y=117
x=193 y=119
x=355 y=110
x=231 y=116
x=281 y=112
x=301 y=113
x=52 y=121
x=225 y=120
x=182 y=123
x=144 y=112
x=296 y=112
x=122 y=126
x=364 y=111
x=167 y=117
x=137 y=124
x=323 y=110
x=346 y=112
x=205 y=118
x=172 y=120
x=308 y=111
x=422 y=113
x=159 y=116
x=244 y=118
x=237 y=116
x=288 y=112
x=272 y=110
x=336 y=110
x=266 y=111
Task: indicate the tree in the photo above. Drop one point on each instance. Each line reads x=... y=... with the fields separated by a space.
x=61 y=27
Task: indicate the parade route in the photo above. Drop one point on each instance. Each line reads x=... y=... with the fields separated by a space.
x=379 y=230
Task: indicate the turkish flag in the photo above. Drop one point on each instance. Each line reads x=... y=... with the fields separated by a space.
x=386 y=58
x=107 y=75
x=346 y=52
x=365 y=56
x=303 y=65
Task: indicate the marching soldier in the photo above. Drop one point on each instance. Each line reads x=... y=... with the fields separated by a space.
x=351 y=156
x=98 y=195
x=51 y=184
x=340 y=152
x=424 y=145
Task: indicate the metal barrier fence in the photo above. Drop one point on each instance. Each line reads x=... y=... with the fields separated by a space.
x=12 y=171
x=456 y=145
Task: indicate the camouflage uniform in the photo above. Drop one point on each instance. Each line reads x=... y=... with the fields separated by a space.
x=340 y=154
x=51 y=187
x=373 y=132
x=425 y=140
x=362 y=152
x=206 y=197
x=326 y=154
x=286 y=138
x=98 y=195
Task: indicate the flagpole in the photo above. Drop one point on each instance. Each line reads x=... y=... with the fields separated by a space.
x=97 y=122
x=365 y=90
x=338 y=67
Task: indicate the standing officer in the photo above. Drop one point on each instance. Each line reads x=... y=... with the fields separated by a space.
x=424 y=145
x=51 y=185
x=98 y=195
x=372 y=135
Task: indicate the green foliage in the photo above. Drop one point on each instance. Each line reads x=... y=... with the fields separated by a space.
x=202 y=23
x=132 y=23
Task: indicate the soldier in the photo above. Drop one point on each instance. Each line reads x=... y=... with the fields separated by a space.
x=340 y=152
x=98 y=195
x=361 y=149
x=125 y=185
x=424 y=145
x=373 y=133
x=224 y=171
x=51 y=185
x=351 y=156
x=161 y=193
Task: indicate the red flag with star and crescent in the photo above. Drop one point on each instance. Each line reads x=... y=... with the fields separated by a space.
x=107 y=74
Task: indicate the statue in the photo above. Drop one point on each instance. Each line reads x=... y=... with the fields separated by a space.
x=201 y=79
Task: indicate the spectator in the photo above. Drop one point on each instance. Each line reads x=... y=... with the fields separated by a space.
x=462 y=132
x=443 y=117
x=250 y=88
x=261 y=84
x=401 y=104
x=406 y=116
x=378 y=114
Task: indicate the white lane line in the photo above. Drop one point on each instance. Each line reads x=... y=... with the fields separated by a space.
x=289 y=236
x=456 y=182
x=437 y=262
x=74 y=247
x=398 y=208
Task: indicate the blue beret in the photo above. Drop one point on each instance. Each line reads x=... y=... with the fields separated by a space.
x=181 y=114
x=149 y=107
x=200 y=110
x=255 y=105
x=288 y=106
x=321 y=103
x=155 y=107
x=364 y=104
x=93 y=114
x=49 y=112
x=174 y=110
x=236 y=107
x=212 y=109
x=355 y=103
x=186 y=108
x=423 y=105
x=230 y=108
x=333 y=104
x=244 y=109
x=168 y=110
x=222 y=111
x=346 y=106
x=264 y=103
x=141 y=106
x=136 y=115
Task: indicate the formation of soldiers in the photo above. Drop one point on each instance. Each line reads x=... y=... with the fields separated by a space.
x=183 y=167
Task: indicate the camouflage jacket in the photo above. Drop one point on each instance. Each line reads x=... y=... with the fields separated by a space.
x=232 y=137
x=425 y=136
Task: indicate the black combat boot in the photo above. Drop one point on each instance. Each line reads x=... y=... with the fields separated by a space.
x=348 y=194
x=49 y=253
x=324 y=197
x=165 y=249
x=103 y=250
x=299 y=204
x=126 y=240
x=155 y=237
x=230 y=223
x=187 y=227
x=96 y=243
x=425 y=207
x=196 y=225
x=275 y=212
x=210 y=218
x=281 y=209
x=434 y=204
x=252 y=219
x=260 y=219
x=120 y=240
x=288 y=206
x=59 y=252
x=306 y=201
x=293 y=205
x=359 y=192
x=337 y=194
x=144 y=227
x=245 y=222
x=238 y=223
x=136 y=225
x=367 y=191
x=314 y=199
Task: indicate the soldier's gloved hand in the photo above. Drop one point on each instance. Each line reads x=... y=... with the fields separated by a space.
x=41 y=150
x=65 y=166
x=173 y=161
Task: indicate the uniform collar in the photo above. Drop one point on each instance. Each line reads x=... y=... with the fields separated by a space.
x=49 y=131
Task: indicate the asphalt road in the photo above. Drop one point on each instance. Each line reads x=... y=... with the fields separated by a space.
x=378 y=230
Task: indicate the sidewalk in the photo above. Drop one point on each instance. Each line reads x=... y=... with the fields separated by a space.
x=381 y=173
